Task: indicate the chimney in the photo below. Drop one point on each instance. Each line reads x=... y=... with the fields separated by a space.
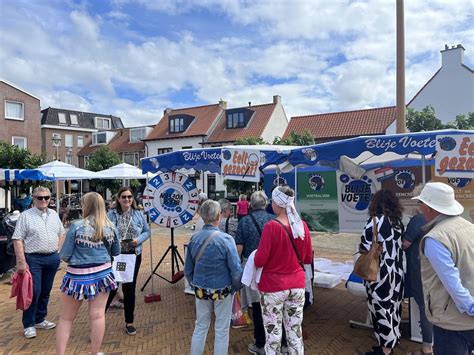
x=276 y=99
x=167 y=110
x=223 y=104
x=452 y=57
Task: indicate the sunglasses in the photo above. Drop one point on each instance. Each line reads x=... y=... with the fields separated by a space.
x=123 y=197
x=41 y=198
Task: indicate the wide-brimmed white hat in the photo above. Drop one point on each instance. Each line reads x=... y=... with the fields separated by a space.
x=440 y=197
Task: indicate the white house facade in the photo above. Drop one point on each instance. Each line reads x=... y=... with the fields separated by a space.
x=451 y=89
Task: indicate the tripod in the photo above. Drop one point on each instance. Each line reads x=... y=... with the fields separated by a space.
x=176 y=258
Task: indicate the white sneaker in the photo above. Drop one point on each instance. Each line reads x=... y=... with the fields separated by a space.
x=30 y=332
x=45 y=325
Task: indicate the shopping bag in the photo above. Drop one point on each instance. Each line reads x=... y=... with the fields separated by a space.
x=237 y=318
x=123 y=267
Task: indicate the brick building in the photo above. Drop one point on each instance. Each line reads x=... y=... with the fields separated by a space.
x=65 y=132
x=20 y=117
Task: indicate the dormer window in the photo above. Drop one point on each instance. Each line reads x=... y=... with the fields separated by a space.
x=235 y=120
x=62 y=118
x=102 y=137
x=102 y=123
x=73 y=118
x=99 y=138
x=176 y=125
x=137 y=134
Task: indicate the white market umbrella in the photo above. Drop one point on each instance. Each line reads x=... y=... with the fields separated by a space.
x=122 y=171
x=63 y=171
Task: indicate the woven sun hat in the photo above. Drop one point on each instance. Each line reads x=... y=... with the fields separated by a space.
x=440 y=197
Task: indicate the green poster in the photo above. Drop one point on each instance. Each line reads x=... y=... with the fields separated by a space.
x=317 y=200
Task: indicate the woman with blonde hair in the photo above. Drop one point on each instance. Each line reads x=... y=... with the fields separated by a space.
x=242 y=207
x=87 y=249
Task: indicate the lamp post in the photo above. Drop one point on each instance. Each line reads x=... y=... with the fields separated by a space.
x=56 y=143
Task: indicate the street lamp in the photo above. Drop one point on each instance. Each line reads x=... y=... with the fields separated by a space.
x=56 y=143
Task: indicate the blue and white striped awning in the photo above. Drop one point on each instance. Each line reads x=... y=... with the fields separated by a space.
x=20 y=175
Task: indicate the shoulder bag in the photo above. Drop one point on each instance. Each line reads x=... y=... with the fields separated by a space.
x=368 y=264
x=292 y=244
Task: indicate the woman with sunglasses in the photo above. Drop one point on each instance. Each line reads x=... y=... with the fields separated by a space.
x=133 y=231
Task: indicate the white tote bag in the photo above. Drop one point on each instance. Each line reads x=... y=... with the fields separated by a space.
x=123 y=267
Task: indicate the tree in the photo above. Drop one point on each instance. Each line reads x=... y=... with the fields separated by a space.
x=306 y=138
x=424 y=120
x=104 y=158
x=462 y=122
x=250 y=141
x=13 y=157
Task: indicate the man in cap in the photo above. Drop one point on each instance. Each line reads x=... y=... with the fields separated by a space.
x=447 y=270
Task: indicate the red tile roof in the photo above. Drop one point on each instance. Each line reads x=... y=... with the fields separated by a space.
x=119 y=144
x=345 y=124
x=254 y=128
x=204 y=117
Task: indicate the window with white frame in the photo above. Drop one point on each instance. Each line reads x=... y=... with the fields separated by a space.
x=68 y=140
x=137 y=134
x=164 y=150
x=20 y=142
x=176 y=125
x=131 y=158
x=73 y=118
x=80 y=141
x=69 y=159
x=102 y=123
x=14 y=110
x=62 y=118
x=86 y=161
x=99 y=138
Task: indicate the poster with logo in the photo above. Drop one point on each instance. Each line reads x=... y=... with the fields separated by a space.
x=455 y=156
x=463 y=191
x=272 y=180
x=353 y=198
x=241 y=164
x=317 y=200
x=402 y=183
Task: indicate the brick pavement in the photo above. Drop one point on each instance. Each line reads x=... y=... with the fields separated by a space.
x=166 y=327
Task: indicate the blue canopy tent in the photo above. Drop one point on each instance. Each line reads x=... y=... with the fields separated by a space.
x=401 y=145
x=209 y=159
x=20 y=175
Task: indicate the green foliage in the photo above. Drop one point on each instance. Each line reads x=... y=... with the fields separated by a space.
x=250 y=141
x=305 y=138
x=12 y=157
x=104 y=158
x=426 y=120
x=462 y=122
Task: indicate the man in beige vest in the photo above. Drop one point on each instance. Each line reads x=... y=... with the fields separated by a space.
x=447 y=270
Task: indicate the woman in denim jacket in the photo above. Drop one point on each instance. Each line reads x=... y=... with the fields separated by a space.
x=213 y=268
x=133 y=230
x=87 y=249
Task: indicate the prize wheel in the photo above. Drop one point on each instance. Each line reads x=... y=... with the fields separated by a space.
x=170 y=199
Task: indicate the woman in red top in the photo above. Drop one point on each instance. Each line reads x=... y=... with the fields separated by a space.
x=284 y=247
x=242 y=207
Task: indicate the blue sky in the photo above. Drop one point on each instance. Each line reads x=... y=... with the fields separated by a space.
x=134 y=58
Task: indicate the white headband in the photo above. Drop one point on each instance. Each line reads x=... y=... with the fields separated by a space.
x=288 y=203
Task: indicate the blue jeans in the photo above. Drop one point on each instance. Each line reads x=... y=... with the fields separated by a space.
x=426 y=326
x=451 y=342
x=204 y=309
x=43 y=268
